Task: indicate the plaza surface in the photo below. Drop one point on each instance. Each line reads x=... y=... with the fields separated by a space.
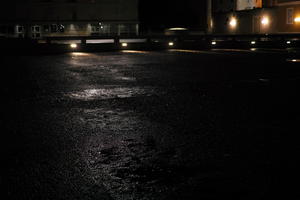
x=174 y=124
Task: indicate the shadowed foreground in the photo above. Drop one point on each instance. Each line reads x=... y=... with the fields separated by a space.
x=150 y=125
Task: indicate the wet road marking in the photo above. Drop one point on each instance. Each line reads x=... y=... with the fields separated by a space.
x=134 y=51
x=193 y=51
x=111 y=93
x=252 y=50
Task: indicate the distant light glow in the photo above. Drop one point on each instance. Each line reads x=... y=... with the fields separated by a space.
x=178 y=29
x=73 y=46
x=213 y=42
x=253 y=42
x=233 y=22
x=171 y=43
x=297 y=19
x=124 y=44
x=265 y=21
x=80 y=54
x=293 y=60
x=100 y=41
x=288 y=42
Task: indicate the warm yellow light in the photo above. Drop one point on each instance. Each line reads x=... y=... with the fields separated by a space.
x=124 y=44
x=265 y=21
x=293 y=60
x=297 y=19
x=253 y=42
x=171 y=43
x=233 y=22
x=213 y=42
x=73 y=46
x=178 y=29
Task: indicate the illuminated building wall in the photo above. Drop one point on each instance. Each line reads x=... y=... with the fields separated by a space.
x=48 y=18
x=265 y=17
x=248 y=4
x=288 y=16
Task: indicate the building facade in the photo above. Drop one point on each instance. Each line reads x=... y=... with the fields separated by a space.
x=288 y=16
x=54 y=18
x=256 y=16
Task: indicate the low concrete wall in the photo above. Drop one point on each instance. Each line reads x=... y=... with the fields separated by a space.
x=88 y=44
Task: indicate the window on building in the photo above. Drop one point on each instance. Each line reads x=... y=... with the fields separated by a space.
x=100 y=29
x=20 y=29
x=46 y=28
x=290 y=15
x=54 y=28
x=61 y=28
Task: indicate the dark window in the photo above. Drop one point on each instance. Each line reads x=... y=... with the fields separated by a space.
x=46 y=28
x=20 y=29
x=37 y=29
x=53 y=28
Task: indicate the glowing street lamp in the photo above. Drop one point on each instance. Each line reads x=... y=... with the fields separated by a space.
x=73 y=46
x=171 y=43
x=124 y=44
x=265 y=21
x=297 y=19
x=233 y=22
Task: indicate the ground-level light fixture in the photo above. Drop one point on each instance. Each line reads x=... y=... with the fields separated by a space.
x=293 y=60
x=253 y=42
x=171 y=44
x=73 y=46
x=124 y=44
x=178 y=29
x=213 y=42
x=233 y=22
x=265 y=21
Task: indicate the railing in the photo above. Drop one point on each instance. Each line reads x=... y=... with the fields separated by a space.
x=153 y=42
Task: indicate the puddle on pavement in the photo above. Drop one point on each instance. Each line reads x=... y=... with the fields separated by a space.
x=123 y=154
x=111 y=93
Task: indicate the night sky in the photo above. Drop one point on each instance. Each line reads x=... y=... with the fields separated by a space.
x=160 y=14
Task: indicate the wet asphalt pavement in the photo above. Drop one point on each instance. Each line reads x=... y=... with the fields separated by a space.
x=139 y=125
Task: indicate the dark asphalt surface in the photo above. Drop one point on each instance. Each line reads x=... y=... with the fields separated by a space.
x=166 y=125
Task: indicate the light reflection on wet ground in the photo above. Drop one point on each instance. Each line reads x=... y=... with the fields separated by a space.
x=111 y=93
x=148 y=125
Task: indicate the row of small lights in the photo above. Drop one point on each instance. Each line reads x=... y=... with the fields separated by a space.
x=74 y=46
x=252 y=42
